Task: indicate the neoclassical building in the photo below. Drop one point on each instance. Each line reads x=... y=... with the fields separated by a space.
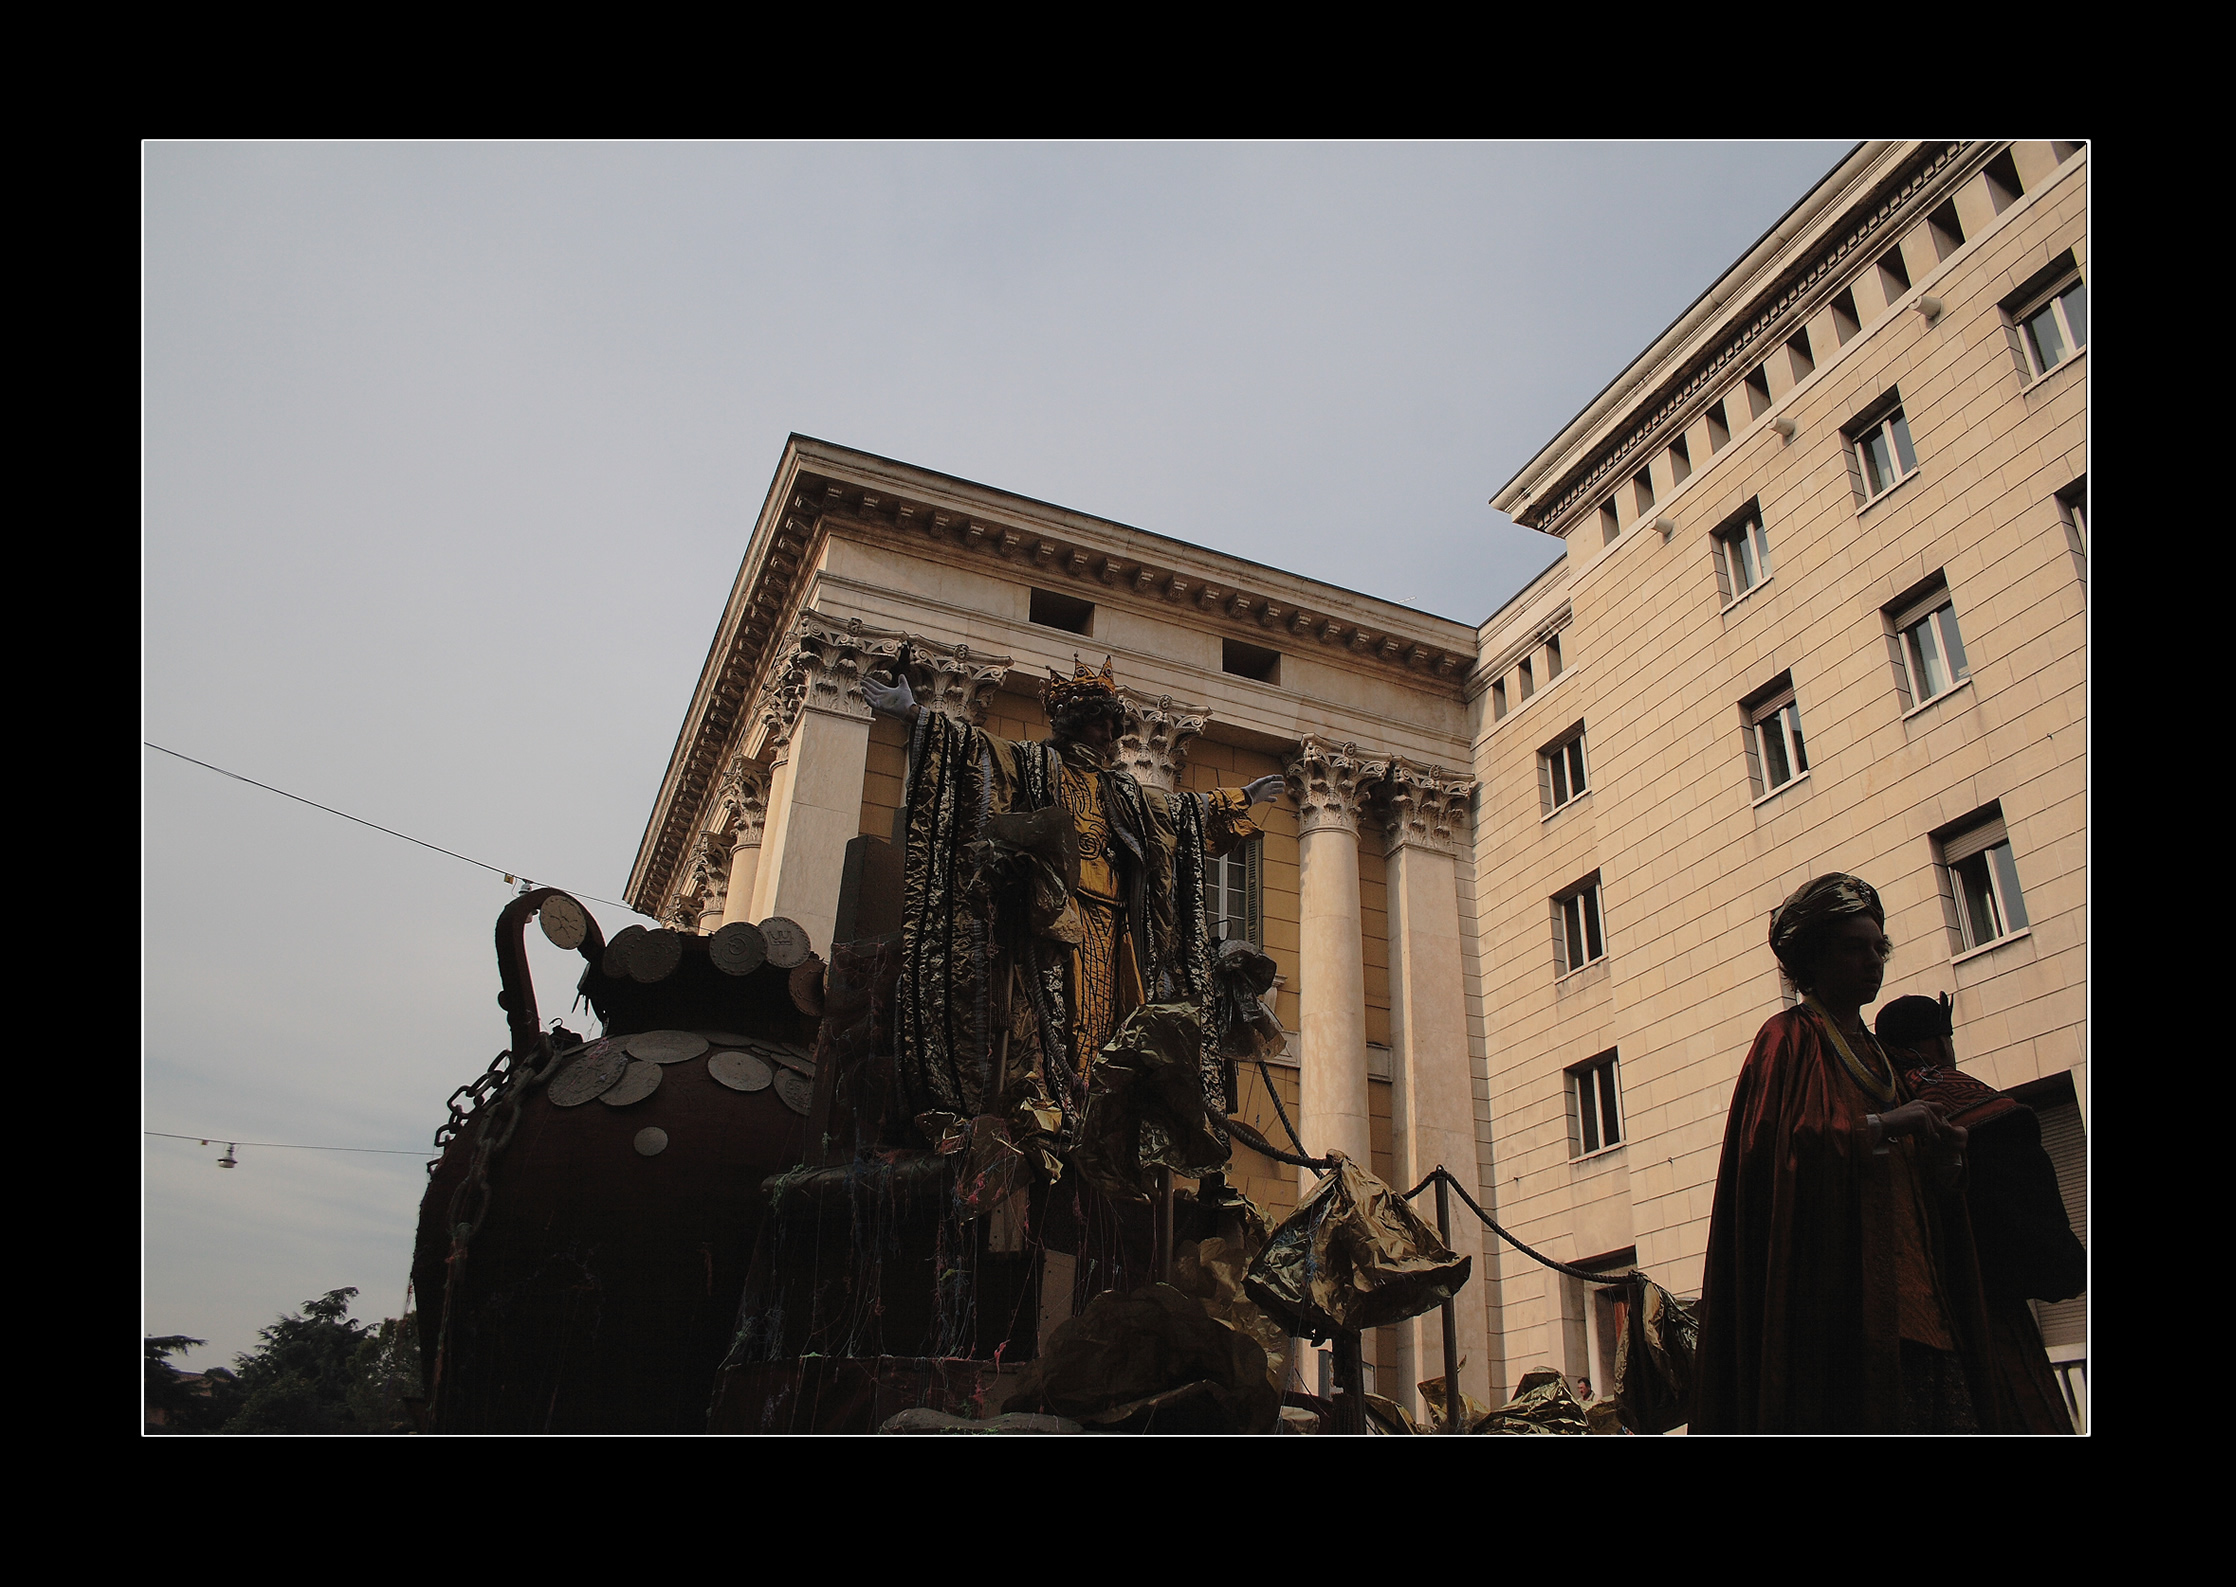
x=1822 y=606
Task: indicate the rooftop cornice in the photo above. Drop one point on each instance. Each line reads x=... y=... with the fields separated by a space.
x=1802 y=260
x=820 y=487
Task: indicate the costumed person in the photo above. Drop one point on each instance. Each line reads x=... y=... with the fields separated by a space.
x=1841 y=1292
x=2025 y=1240
x=1047 y=896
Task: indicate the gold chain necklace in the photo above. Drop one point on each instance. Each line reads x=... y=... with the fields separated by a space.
x=1881 y=1091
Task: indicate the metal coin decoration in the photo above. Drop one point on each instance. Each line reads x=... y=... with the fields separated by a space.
x=788 y=944
x=665 y=1046
x=655 y=957
x=562 y=921
x=738 y=948
x=806 y=987
x=791 y=1057
x=795 y=1091
x=621 y=950
x=589 y=1074
x=741 y=1071
x=651 y=1141
x=637 y=1082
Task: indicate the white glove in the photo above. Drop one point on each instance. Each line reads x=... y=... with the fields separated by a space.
x=1264 y=788
x=890 y=699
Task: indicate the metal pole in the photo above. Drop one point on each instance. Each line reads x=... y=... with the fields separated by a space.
x=1452 y=1402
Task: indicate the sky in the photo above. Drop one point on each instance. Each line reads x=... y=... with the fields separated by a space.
x=450 y=454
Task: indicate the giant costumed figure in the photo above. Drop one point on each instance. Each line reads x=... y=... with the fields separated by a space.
x=1052 y=903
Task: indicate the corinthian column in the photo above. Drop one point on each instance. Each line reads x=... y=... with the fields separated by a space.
x=740 y=810
x=1422 y=814
x=1153 y=741
x=1325 y=780
x=819 y=728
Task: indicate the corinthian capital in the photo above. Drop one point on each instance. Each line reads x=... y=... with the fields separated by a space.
x=742 y=803
x=1328 y=782
x=951 y=679
x=819 y=668
x=1422 y=806
x=1153 y=741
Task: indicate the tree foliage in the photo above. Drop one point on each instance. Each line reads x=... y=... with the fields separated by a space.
x=316 y=1371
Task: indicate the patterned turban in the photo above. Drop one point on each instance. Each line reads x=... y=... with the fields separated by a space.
x=1818 y=904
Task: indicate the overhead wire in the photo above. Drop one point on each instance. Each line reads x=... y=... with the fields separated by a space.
x=506 y=873
x=286 y=1146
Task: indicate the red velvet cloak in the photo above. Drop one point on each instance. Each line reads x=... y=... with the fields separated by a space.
x=1799 y=1323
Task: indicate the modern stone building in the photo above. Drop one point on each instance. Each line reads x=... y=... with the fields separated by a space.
x=1822 y=606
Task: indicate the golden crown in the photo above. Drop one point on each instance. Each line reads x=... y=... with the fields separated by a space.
x=1084 y=684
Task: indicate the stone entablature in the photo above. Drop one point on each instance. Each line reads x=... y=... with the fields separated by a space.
x=756 y=680
x=1751 y=320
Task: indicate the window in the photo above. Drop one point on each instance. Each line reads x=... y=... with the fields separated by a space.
x=1526 y=675
x=1719 y=428
x=1680 y=461
x=1560 y=770
x=1553 y=661
x=1595 y=1115
x=1947 y=230
x=1232 y=893
x=1983 y=895
x=1798 y=358
x=1928 y=650
x=1498 y=700
x=1742 y=554
x=2055 y=326
x=1609 y=526
x=1758 y=392
x=1249 y=661
x=2072 y=507
x=1579 y=938
x=1642 y=485
x=1776 y=754
x=1894 y=275
x=1880 y=456
x=2004 y=187
x=1052 y=610
x=1845 y=321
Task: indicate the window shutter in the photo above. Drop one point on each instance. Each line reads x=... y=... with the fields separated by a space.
x=1254 y=891
x=1977 y=840
x=1923 y=607
x=2066 y=1322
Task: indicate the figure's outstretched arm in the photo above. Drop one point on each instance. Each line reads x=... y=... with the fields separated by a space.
x=1261 y=789
x=891 y=699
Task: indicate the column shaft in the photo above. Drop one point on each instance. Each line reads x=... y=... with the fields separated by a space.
x=815 y=807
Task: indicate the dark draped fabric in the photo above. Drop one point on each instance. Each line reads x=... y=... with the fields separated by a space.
x=1799 y=1302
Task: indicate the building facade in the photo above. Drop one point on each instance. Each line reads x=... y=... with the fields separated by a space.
x=1822 y=606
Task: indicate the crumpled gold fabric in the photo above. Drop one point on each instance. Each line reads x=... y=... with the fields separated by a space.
x=1388 y=1418
x=1542 y=1403
x=1148 y=1076
x=1472 y=1410
x=1240 y=978
x=1654 y=1361
x=1352 y=1256
x=1213 y=1271
x=1151 y=1360
x=1037 y=855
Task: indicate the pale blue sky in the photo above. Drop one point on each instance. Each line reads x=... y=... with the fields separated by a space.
x=451 y=453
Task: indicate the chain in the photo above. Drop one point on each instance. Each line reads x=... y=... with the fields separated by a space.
x=505 y=1086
